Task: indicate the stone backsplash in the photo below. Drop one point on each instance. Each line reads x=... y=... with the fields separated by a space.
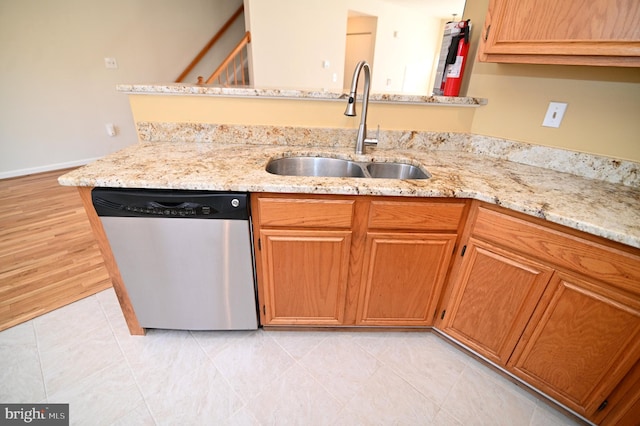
x=576 y=163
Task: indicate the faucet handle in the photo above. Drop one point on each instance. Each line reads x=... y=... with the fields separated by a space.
x=373 y=141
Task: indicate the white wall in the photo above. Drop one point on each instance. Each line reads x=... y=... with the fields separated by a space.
x=290 y=39
x=223 y=10
x=360 y=45
x=406 y=41
x=56 y=94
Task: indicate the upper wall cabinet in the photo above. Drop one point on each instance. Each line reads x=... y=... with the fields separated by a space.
x=576 y=32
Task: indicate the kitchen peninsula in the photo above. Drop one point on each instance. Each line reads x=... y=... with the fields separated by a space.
x=544 y=234
x=595 y=194
x=606 y=209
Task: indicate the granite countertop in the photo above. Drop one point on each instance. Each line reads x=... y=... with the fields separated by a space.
x=606 y=209
x=239 y=91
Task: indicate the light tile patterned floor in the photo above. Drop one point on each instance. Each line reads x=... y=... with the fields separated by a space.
x=82 y=354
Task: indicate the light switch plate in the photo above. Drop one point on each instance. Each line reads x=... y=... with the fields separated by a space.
x=554 y=115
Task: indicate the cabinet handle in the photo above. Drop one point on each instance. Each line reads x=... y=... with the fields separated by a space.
x=603 y=405
x=486 y=34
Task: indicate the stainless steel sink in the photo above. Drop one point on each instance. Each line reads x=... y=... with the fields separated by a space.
x=335 y=167
x=396 y=171
x=315 y=166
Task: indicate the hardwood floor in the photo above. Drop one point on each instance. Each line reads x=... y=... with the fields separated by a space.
x=48 y=255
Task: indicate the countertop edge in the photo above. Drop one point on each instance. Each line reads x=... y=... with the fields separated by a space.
x=464 y=195
x=321 y=95
x=518 y=187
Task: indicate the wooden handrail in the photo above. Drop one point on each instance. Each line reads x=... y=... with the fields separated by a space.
x=209 y=45
x=238 y=49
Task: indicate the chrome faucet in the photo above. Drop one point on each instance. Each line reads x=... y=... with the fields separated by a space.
x=351 y=106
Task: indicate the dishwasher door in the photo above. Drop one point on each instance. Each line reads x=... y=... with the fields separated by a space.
x=184 y=272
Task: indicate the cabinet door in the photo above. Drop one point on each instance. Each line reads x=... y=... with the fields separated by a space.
x=587 y=32
x=493 y=298
x=402 y=278
x=304 y=276
x=580 y=344
x=623 y=405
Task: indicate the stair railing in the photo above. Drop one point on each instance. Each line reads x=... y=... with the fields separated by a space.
x=209 y=45
x=232 y=68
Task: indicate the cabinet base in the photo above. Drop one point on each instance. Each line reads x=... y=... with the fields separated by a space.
x=344 y=328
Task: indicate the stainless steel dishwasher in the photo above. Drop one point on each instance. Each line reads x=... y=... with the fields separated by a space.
x=185 y=256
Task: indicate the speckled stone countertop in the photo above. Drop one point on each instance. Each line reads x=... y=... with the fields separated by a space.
x=194 y=89
x=606 y=209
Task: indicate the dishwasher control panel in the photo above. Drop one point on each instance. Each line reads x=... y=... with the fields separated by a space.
x=127 y=202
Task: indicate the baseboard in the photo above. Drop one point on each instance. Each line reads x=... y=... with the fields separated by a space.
x=47 y=168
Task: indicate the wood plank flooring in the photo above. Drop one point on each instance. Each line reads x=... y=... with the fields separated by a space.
x=48 y=255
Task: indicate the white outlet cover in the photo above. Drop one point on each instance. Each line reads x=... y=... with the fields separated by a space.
x=554 y=114
x=111 y=129
x=110 y=63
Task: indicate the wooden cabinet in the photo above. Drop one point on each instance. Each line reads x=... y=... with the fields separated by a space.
x=555 y=308
x=625 y=400
x=577 y=32
x=305 y=276
x=302 y=259
x=340 y=260
x=408 y=250
x=402 y=278
x=580 y=344
x=496 y=295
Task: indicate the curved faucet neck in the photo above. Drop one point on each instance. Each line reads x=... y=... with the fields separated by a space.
x=356 y=76
x=351 y=111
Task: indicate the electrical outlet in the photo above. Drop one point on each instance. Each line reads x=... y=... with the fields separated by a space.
x=111 y=129
x=110 y=63
x=554 y=115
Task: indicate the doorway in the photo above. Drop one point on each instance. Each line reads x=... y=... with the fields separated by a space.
x=361 y=40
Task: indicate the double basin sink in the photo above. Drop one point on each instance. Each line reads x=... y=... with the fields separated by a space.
x=336 y=167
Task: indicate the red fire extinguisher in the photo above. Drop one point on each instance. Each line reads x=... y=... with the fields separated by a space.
x=456 y=60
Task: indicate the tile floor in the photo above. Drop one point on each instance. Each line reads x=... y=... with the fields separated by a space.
x=83 y=355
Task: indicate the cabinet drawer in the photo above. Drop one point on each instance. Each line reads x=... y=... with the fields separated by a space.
x=415 y=216
x=306 y=212
x=584 y=256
